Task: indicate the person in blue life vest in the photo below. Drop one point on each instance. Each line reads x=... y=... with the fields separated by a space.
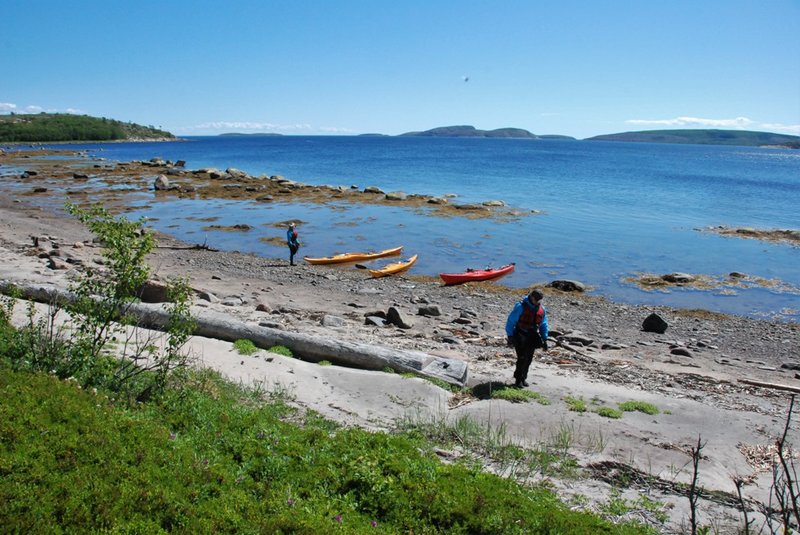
x=291 y=241
x=526 y=330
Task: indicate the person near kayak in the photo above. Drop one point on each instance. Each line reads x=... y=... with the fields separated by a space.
x=291 y=241
x=526 y=330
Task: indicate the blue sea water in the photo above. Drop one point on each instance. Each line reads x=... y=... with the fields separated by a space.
x=606 y=211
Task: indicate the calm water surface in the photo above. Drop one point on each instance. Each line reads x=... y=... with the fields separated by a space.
x=607 y=211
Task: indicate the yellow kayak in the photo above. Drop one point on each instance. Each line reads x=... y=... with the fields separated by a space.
x=353 y=257
x=393 y=269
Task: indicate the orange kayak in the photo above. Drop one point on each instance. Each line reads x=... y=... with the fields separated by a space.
x=393 y=269
x=473 y=275
x=353 y=257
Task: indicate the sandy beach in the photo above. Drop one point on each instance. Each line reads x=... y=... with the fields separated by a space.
x=693 y=373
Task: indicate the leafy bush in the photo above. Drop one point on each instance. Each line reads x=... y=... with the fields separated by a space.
x=210 y=458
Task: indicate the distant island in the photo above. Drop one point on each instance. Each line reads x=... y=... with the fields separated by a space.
x=705 y=137
x=55 y=127
x=471 y=131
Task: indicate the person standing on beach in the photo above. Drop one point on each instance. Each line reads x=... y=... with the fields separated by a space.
x=291 y=241
x=526 y=330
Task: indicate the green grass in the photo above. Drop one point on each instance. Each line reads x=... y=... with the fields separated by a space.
x=609 y=412
x=281 y=350
x=519 y=395
x=641 y=406
x=576 y=404
x=245 y=347
x=212 y=457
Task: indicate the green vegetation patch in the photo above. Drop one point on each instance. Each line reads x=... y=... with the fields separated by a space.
x=609 y=412
x=211 y=457
x=281 y=350
x=46 y=127
x=641 y=406
x=519 y=395
x=245 y=347
x=576 y=404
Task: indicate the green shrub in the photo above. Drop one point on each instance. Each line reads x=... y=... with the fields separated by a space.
x=641 y=406
x=211 y=458
x=245 y=347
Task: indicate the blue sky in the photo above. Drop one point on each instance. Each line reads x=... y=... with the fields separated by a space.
x=579 y=68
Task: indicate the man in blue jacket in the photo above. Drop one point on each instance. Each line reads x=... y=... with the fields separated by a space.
x=526 y=330
x=291 y=241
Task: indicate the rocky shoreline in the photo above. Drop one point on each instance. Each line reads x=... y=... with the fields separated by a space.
x=693 y=371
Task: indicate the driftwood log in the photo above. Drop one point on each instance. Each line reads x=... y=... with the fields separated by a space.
x=306 y=347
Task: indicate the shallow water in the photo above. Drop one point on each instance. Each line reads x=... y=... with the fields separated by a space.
x=608 y=210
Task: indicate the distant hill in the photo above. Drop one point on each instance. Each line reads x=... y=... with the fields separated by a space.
x=705 y=137
x=51 y=127
x=471 y=131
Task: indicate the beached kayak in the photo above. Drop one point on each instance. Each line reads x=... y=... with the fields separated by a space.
x=473 y=275
x=353 y=257
x=393 y=269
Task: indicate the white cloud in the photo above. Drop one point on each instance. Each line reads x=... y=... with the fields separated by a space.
x=738 y=122
x=786 y=128
x=9 y=107
x=252 y=127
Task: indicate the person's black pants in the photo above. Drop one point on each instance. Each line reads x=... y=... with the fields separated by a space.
x=524 y=346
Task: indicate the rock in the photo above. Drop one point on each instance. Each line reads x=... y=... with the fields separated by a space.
x=737 y=275
x=678 y=278
x=396 y=317
x=81 y=176
x=437 y=200
x=373 y=189
x=376 y=313
x=153 y=291
x=791 y=366
x=682 y=351
x=470 y=207
x=233 y=301
x=58 y=264
x=375 y=320
x=236 y=173
x=161 y=183
x=332 y=321
x=429 y=310
x=654 y=324
x=180 y=163
x=207 y=296
x=40 y=189
x=567 y=285
x=494 y=203
x=263 y=307
x=578 y=339
x=396 y=196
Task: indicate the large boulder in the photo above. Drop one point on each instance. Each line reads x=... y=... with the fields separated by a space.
x=654 y=324
x=568 y=285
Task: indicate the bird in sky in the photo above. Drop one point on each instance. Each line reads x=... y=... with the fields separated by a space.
x=465 y=78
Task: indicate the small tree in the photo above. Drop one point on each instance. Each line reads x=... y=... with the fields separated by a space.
x=103 y=297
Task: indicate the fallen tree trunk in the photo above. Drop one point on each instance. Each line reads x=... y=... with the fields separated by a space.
x=773 y=386
x=306 y=347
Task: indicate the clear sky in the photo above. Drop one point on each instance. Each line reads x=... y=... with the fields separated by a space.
x=573 y=67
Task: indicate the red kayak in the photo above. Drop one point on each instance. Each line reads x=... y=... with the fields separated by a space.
x=473 y=275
